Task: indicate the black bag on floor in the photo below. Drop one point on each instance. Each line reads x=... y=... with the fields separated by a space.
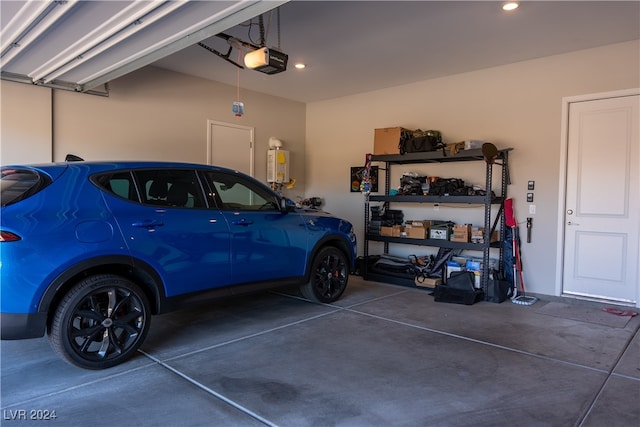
x=498 y=290
x=459 y=289
x=390 y=266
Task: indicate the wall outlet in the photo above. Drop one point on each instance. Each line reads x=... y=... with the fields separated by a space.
x=532 y=209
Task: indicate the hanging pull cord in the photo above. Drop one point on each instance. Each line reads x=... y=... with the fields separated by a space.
x=238 y=77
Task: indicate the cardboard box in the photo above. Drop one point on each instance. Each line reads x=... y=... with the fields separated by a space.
x=386 y=140
x=477 y=235
x=429 y=282
x=426 y=223
x=461 y=233
x=417 y=229
x=393 y=231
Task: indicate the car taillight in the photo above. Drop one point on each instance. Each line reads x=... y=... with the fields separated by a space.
x=7 y=236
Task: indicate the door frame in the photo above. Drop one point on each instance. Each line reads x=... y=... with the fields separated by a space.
x=562 y=181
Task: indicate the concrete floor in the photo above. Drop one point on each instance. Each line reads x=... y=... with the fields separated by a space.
x=381 y=356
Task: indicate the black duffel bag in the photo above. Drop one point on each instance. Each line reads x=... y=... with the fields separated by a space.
x=446 y=187
x=419 y=141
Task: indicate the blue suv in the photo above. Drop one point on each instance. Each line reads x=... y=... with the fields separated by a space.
x=90 y=250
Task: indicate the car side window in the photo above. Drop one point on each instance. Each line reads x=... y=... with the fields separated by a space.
x=170 y=188
x=237 y=193
x=119 y=183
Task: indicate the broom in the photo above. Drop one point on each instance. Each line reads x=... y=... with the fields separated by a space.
x=510 y=221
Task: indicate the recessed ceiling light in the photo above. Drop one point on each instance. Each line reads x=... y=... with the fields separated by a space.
x=300 y=65
x=512 y=5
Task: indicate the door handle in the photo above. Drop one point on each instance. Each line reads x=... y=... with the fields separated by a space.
x=147 y=223
x=242 y=222
x=572 y=223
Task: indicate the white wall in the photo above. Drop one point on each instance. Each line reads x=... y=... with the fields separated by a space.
x=151 y=114
x=517 y=105
x=25 y=123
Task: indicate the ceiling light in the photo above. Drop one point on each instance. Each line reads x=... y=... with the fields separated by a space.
x=300 y=66
x=265 y=60
x=512 y=5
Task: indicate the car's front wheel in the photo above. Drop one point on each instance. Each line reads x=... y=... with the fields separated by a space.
x=100 y=322
x=329 y=276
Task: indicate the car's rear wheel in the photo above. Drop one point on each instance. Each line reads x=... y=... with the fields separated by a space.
x=100 y=322
x=329 y=276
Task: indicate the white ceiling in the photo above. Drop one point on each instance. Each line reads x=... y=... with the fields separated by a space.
x=349 y=46
x=357 y=46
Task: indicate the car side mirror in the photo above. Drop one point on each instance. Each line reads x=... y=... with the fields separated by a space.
x=287 y=205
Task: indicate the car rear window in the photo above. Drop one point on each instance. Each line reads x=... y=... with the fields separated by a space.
x=119 y=183
x=17 y=184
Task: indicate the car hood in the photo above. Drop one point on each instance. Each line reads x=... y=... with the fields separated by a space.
x=314 y=212
x=326 y=218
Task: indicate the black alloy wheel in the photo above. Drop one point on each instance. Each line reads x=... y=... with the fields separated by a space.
x=100 y=322
x=329 y=276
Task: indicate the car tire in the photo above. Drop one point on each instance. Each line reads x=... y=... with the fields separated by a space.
x=100 y=322
x=329 y=276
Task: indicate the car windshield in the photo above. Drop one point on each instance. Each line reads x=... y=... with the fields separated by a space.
x=18 y=184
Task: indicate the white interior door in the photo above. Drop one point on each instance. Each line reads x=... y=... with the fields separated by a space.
x=602 y=210
x=230 y=146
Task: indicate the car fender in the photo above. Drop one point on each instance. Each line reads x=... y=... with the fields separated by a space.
x=340 y=241
x=140 y=272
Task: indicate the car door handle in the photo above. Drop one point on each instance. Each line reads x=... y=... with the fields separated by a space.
x=242 y=221
x=148 y=223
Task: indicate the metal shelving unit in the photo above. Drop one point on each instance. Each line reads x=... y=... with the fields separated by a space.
x=487 y=201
